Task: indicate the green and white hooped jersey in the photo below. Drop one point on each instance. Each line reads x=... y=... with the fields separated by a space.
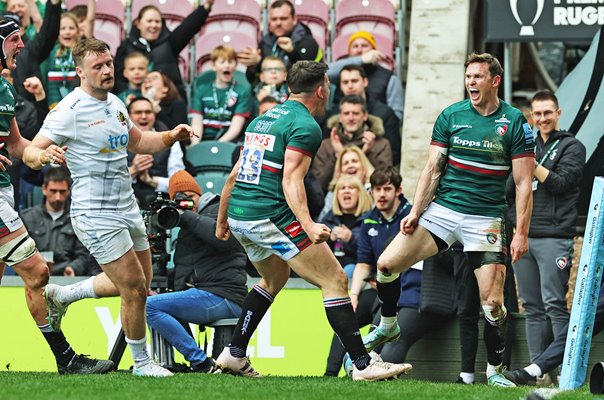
x=7 y=113
x=258 y=191
x=480 y=151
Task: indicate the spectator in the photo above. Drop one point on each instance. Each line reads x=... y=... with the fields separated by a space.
x=38 y=49
x=384 y=85
x=49 y=224
x=136 y=67
x=287 y=38
x=150 y=36
x=543 y=272
x=150 y=172
x=30 y=12
x=210 y=278
x=351 y=200
x=266 y=104
x=85 y=15
x=351 y=161
x=220 y=108
x=61 y=73
x=273 y=77
x=353 y=81
x=169 y=107
x=352 y=126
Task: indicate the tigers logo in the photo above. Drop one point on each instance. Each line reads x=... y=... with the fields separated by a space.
x=293 y=229
x=561 y=262
x=491 y=238
x=121 y=117
x=501 y=129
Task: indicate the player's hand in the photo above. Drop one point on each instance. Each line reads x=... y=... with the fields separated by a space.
x=336 y=143
x=53 y=155
x=4 y=161
x=223 y=232
x=182 y=132
x=368 y=141
x=409 y=223
x=286 y=44
x=318 y=233
x=249 y=57
x=518 y=247
x=372 y=57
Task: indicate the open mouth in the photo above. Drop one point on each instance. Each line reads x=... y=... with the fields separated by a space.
x=474 y=93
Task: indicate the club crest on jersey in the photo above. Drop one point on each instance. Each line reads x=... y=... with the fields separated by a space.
x=501 y=129
x=561 y=262
x=491 y=238
x=121 y=117
x=293 y=229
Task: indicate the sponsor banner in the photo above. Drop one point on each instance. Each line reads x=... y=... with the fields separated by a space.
x=587 y=290
x=543 y=20
x=293 y=338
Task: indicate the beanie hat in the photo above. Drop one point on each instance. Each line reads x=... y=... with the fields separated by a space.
x=182 y=181
x=362 y=35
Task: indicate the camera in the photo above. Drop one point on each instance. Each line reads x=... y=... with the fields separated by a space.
x=164 y=212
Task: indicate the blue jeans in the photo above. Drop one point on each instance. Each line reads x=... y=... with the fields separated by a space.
x=164 y=311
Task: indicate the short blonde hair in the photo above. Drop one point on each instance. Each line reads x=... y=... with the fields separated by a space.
x=365 y=201
x=365 y=165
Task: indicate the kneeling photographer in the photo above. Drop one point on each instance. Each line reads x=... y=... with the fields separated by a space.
x=209 y=275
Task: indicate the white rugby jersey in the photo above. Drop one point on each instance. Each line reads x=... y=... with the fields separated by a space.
x=96 y=134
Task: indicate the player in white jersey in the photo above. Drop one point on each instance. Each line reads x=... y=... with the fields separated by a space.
x=91 y=131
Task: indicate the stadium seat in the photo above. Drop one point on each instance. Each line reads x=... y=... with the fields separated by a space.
x=243 y=16
x=109 y=21
x=375 y=16
x=339 y=49
x=206 y=43
x=211 y=155
x=211 y=182
x=172 y=11
x=315 y=14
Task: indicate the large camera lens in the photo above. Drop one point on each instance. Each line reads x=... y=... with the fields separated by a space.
x=166 y=218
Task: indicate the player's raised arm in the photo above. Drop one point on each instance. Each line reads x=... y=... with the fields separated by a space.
x=147 y=142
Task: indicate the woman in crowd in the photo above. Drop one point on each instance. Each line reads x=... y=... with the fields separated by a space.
x=167 y=102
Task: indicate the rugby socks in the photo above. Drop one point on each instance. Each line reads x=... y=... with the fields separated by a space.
x=494 y=337
x=467 y=377
x=534 y=370
x=255 y=305
x=344 y=323
x=389 y=291
x=58 y=344
x=138 y=347
x=81 y=290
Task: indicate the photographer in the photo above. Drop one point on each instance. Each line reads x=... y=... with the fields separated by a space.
x=210 y=278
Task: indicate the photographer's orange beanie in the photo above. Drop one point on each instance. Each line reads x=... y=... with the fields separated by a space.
x=182 y=181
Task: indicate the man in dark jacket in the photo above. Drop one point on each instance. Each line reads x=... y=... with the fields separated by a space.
x=287 y=38
x=543 y=272
x=49 y=225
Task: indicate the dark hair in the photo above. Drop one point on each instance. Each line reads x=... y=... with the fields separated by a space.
x=134 y=100
x=385 y=175
x=281 y=3
x=486 y=58
x=268 y=99
x=88 y=45
x=58 y=174
x=80 y=11
x=304 y=76
x=173 y=93
x=545 y=95
x=352 y=67
x=354 y=99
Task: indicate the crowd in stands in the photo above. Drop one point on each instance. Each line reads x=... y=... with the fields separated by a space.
x=353 y=187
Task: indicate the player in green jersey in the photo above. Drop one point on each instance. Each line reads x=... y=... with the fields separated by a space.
x=268 y=214
x=460 y=197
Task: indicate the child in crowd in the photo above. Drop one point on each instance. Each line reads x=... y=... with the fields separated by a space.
x=61 y=71
x=220 y=108
x=136 y=67
x=273 y=78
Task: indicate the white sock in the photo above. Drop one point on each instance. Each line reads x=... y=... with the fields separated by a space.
x=467 y=377
x=534 y=370
x=138 y=348
x=81 y=290
x=492 y=369
x=388 y=323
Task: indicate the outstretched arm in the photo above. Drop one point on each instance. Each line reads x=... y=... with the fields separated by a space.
x=148 y=142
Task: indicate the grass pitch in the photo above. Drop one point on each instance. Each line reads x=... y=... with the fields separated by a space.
x=122 y=385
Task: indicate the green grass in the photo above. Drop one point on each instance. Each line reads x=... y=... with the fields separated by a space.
x=48 y=386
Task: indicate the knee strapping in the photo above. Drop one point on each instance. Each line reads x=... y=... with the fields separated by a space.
x=495 y=315
x=17 y=250
x=383 y=278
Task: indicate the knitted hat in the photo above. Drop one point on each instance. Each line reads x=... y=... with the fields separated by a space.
x=182 y=181
x=362 y=35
